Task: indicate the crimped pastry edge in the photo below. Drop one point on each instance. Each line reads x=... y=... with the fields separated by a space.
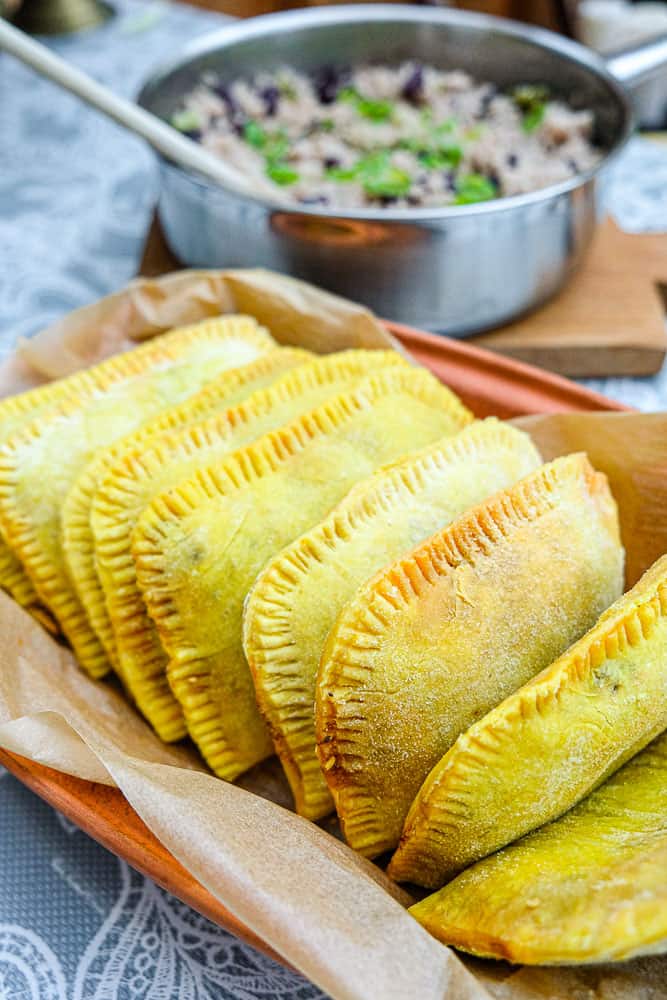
x=269 y=604
x=168 y=348
x=79 y=543
x=470 y=537
x=628 y=623
x=123 y=489
x=238 y=471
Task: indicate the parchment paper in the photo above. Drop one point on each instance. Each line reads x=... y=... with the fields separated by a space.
x=295 y=311
x=329 y=912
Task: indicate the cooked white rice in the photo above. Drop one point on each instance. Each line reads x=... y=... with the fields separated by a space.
x=406 y=136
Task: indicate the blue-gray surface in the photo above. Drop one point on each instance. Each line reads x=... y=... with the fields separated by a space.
x=76 y=195
x=76 y=922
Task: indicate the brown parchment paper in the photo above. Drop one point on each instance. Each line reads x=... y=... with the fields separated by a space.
x=295 y=311
x=329 y=912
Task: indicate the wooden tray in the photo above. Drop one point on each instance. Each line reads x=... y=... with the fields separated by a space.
x=489 y=384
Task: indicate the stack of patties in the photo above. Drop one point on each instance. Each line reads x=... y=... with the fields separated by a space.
x=327 y=558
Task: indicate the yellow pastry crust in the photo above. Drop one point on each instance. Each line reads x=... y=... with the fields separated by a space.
x=143 y=473
x=16 y=582
x=39 y=464
x=17 y=412
x=546 y=746
x=224 y=391
x=299 y=594
x=589 y=887
x=199 y=548
x=435 y=640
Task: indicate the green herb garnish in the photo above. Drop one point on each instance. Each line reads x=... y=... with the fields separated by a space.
x=326 y=124
x=415 y=146
x=531 y=99
x=186 y=121
x=377 y=111
x=533 y=119
x=529 y=94
x=342 y=173
x=281 y=173
x=392 y=183
x=473 y=188
x=441 y=158
x=447 y=126
x=286 y=89
x=274 y=147
x=433 y=150
x=380 y=178
x=474 y=133
x=254 y=134
x=377 y=175
x=348 y=94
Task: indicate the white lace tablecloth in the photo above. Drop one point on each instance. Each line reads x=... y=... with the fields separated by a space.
x=76 y=195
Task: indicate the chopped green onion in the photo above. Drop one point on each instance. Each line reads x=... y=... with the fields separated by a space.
x=533 y=118
x=286 y=89
x=377 y=111
x=273 y=146
x=342 y=174
x=527 y=95
x=254 y=134
x=375 y=171
x=430 y=159
x=474 y=133
x=281 y=173
x=473 y=188
x=186 y=121
x=276 y=146
x=392 y=183
x=441 y=158
x=326 y=125
x=348 y=94
x=381 y=178
x=531 y=100
x=415 y=146
x=433 y=150
x=374 y=163
x=447 y=126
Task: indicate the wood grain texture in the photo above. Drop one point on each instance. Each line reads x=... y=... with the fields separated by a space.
x=609 y=320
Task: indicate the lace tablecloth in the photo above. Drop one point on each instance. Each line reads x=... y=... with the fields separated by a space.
x=76 y=194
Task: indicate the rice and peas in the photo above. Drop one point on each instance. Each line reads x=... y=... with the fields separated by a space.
x=406 y=136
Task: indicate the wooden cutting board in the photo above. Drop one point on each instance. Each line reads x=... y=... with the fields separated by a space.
x=609 y=320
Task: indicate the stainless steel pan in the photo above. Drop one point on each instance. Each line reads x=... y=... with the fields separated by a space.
x=456 y=270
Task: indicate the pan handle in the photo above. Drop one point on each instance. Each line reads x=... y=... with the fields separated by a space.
x=635 y=65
